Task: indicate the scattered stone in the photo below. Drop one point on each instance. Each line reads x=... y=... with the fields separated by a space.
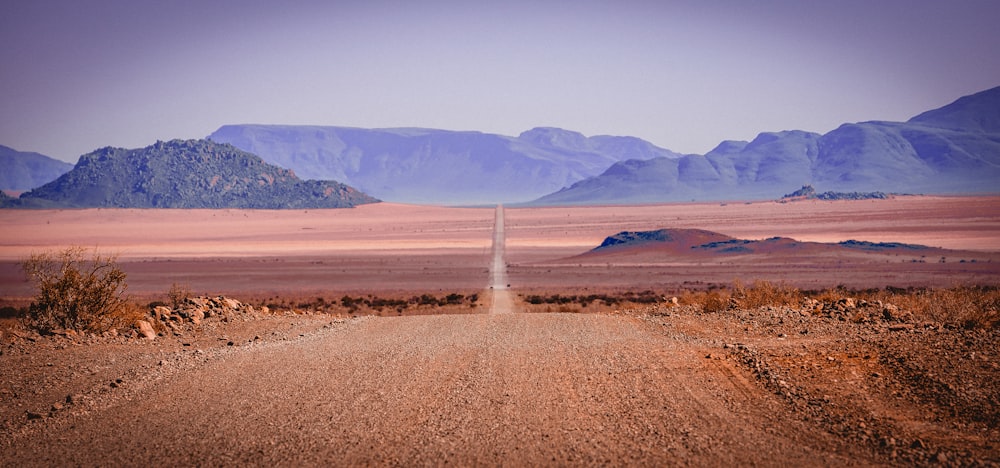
x=161 y=313
x=146 y=329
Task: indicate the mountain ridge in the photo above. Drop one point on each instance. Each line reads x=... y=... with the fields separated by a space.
x=419 y=165
x=24 y=170
x=931 y=153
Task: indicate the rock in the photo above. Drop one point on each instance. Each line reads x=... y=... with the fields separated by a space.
x=197 y=316
x=33 y=415
x=161 y=313
x=146 y=329
x=674 y=300
x=57 y=407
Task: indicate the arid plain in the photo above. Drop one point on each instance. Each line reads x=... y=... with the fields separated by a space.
x=389 y=248
x=821 y=380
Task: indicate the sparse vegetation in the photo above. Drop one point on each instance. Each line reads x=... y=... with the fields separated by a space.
x=78 y=293
x=764 y=293
x=372 y=304
x=177 y=294
x=970 y=307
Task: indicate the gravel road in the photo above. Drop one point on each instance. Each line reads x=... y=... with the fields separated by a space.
x=452 y=389
x=478 y=389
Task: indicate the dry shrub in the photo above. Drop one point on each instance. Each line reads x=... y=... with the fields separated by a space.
x=712 y=300
x=78 y=293
x=831 y=295
x=177 y=294
x=971 y=307
x=764 y=293
x=715 y=301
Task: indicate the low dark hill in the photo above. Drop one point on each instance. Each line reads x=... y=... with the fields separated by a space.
x=696 y=245
x=675 y=241
x=185 y=174
x=25 y=170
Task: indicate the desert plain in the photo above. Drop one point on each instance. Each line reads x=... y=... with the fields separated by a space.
x=389 y=247
x=828 y=381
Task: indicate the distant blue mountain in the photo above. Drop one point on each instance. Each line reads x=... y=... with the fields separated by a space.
x=25 y=170
x=954 y=149
x=416 y=165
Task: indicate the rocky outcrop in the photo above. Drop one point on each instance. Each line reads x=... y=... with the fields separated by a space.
x=807 y=192
x=194 y=311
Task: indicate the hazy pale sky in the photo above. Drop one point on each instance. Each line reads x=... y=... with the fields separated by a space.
x=76 y=75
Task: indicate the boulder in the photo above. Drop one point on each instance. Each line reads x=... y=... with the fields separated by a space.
x=146 y=329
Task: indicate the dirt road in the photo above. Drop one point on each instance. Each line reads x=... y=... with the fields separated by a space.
x=478 y=389
x=472 y=389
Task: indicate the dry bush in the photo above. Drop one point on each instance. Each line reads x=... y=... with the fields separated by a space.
x=764 y=293
x=715 y=301
x=78 y=293
x=177 y=294
x=970 y=307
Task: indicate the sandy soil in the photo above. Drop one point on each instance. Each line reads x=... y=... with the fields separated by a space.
x=658 y=385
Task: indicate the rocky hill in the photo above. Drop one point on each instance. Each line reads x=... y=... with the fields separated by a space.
x=954 y=149
x=807 y=192
x=25 y=170
x=439 y=166
x=185 y=174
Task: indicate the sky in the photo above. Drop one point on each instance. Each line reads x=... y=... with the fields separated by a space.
x=77 y=75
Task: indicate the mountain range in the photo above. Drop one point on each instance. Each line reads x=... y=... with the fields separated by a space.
x=24 y=170
x=184 y=174
x=954 y=149
x=416 y=165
